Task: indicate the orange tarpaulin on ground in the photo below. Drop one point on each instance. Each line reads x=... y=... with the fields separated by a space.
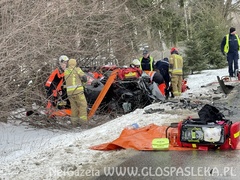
x=140 y=139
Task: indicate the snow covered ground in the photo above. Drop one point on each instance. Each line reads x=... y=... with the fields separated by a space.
x=30 y=153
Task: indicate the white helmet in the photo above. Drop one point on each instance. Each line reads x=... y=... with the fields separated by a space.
x=136 y=62
x=63 y=58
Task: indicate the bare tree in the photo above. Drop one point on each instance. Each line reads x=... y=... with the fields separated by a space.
x=35 y=33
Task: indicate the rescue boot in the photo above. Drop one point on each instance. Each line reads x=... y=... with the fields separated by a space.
x=83 y=124
x=166 y=94
x=74 y=122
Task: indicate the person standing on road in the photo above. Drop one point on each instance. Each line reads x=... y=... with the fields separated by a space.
x=230 y=46
x=176 y=71
x=75 y=77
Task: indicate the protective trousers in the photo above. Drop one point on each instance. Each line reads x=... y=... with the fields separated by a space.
x=177 y=84
x=78 y=108
x=232 y=59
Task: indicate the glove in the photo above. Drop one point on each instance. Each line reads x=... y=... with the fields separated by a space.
x=84 y=78
x=95 y=83
x=60 y=93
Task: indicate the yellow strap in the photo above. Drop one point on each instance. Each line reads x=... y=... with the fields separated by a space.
x=194 y=145
x=75 y=86
x=235 y=135
x=73 y=89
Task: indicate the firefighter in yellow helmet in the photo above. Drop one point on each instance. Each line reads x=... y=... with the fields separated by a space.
x=75 y=77
x=135 y=63
x=176 y=71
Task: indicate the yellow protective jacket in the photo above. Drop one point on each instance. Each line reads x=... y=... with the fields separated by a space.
x=146 y=64
x=226 y=46
x=176 y=64
x=72 y=77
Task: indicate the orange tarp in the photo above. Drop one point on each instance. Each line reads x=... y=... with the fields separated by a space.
x=140 y=139
x=61 y=113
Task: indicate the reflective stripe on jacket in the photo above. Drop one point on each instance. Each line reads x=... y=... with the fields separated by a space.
x=176 y=64
x=73 y=80
x=150 y=63
x=226 y=46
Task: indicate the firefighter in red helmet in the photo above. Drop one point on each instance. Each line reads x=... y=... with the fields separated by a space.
x=176 y=71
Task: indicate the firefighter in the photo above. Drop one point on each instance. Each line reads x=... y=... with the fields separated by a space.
x=146 y=62
x=54 y=84
x=75 y=77
x=135 y=64
x=154 y=76
x=176 y=71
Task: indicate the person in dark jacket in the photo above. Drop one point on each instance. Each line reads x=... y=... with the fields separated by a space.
x=163 y=67
x=147 y=62
x=230 y=46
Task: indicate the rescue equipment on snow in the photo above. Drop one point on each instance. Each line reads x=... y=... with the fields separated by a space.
x=210 y=131
x=222 y=134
